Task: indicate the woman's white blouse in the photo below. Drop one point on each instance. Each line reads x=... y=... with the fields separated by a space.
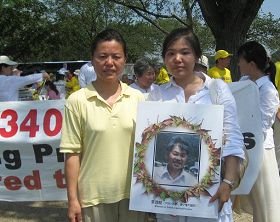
x=269 y=103
x=171 y=92
x=146 y=92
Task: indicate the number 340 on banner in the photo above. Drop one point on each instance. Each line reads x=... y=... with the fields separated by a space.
x=52 y=122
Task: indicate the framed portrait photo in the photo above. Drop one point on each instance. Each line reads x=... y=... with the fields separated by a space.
x=177 y=158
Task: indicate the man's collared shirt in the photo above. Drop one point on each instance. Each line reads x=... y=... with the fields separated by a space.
x=162 y=176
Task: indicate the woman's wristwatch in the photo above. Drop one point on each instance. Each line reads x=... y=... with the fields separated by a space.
x=230 y=183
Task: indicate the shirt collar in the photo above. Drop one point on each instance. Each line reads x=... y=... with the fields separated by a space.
x=165 y=174
x=202 y=75
x=207 y=81
x=90 y=91
x=152 y=87
x=170 y=84
x=144 y=90
x=262 y=80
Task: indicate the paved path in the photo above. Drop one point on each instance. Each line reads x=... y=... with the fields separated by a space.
x=51 y=212
x=33 y=212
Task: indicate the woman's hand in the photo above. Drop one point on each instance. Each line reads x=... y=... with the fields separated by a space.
x=74 y=211
x=231 y=166
x=223 y=195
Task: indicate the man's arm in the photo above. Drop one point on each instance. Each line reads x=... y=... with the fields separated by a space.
x=72 y=168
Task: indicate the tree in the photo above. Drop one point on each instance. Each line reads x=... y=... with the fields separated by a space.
x=77 y=24
x=51 y=30
x=141 y=39
x=64 y=29
x=229 y=20
x=24 y=29
x=165 y=15
x=266 y=30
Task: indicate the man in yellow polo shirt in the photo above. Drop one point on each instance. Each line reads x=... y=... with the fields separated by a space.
x=220 y=70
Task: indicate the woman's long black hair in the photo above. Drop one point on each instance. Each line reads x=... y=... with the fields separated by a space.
x=254 y=51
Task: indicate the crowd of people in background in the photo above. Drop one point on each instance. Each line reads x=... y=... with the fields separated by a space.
x=65 y=81
x=183 y=76
x=146 y=76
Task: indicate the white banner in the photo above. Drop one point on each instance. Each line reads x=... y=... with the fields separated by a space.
x=32 y=169
x=246 y=95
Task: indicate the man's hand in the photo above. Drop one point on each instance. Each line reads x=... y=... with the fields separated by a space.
x=223 y=195
x=74 y=211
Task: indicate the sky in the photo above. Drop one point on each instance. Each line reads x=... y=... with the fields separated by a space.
x=272 y=6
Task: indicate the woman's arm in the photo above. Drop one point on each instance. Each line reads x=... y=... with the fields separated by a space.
x=70 y=144
x=233 y=152
x=269 y=103
x=231 y=174
x=233 y=144
x=72 y=167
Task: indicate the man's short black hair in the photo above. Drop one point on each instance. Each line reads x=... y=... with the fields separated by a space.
x=179 y=141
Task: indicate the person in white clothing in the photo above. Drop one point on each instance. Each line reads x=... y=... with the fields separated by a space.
x=264 y=197
x=10 y=84
x=87 y=75
x=181 y=50
x=145 y=76
x=202 y=64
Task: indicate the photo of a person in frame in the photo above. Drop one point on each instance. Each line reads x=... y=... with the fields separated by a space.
x=173 y=173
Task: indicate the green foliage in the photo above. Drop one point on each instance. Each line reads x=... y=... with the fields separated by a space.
x=52 y=30
x=64 y=29
x=206 y=38
x=167 y=15
x=24 y=29
x=77 y=24
x=266 y=30
x=142 y=40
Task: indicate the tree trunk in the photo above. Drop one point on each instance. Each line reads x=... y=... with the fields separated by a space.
x=229 y=21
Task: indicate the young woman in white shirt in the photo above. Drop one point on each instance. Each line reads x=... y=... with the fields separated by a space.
x=264 y=196
x=181 y=50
